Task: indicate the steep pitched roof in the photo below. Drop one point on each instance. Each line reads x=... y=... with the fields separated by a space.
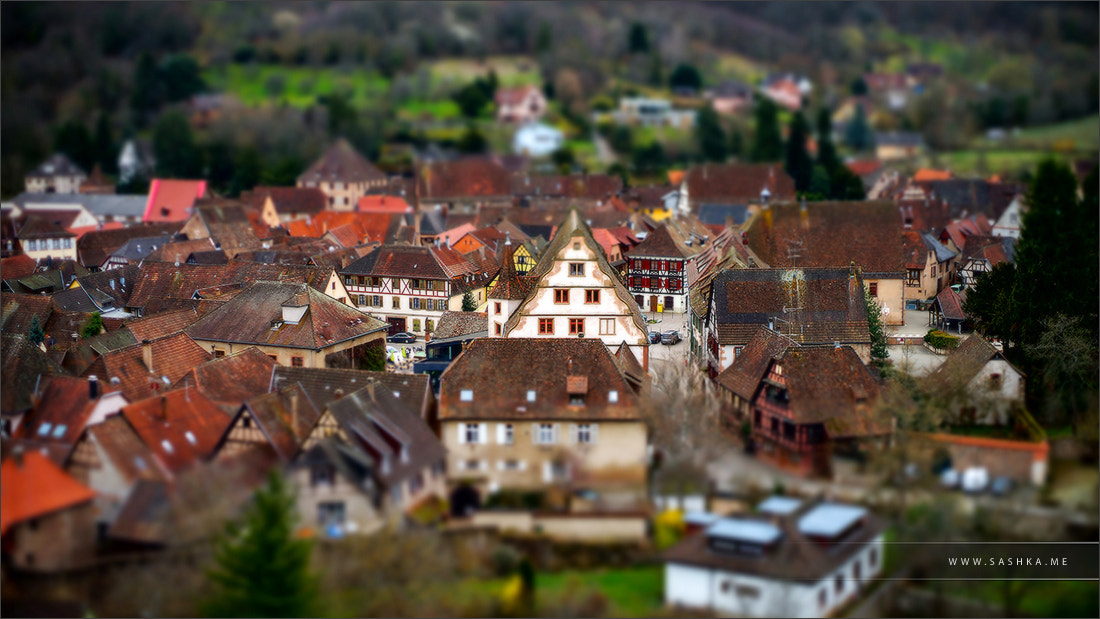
x=242 y=272
x=738 y=183
x=499 y=372
x=322 y=383
x=466 y=177
x=951 y=304
x=61 y=415
x=744 y=374
x=173 y=356
x=19 y=311
x=403 y=261
x=23 y=368
x=460 y=324
x=115 y=285
x=181 y=426
x=969 y=359
x=341 y=162
x=32 y=486
x=123 y=446
x=93 y=247
x=830 y=234
x=164 y=286
x=161 y=325
x=285 y=417
x=36 y=227
x=510 y=286
x=230 y=380
x=670 y=240
x=288 y=200
x=831 y=386
x=56 y=165
x=256 y=316
x=17 y=266
x=172 y=200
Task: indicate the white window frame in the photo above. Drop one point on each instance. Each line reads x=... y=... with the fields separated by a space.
x=546 y=433
x=506 y=434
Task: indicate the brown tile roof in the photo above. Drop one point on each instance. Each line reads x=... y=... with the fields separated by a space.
x=173 y=356
x=56 y=165
x=500 y=372
x=156 y=326
x=322 y=383
x=830 y=305
x=52 y=226
x=830 y=234
x=826 y=385
x=143 y=517
x=284 y=425
x=969 y=359
x=671 y=239
x=744 y=374
x=19 y=311
x=631 y=368
x=738 y=183
x=31 y=486
x=21 y=365
x=288 y=200
x=951 y=304
x=60 y=416
x=348 y=235
x=114 y=285
x=17 y=266
x=962 y=230
x=229 y=381
x=122 y=445
x=228 y=224
x=180 y=426
x=460 y=324
x=341 y=162
x=248 y=317
x=93 y=247
x=241 y=272
x=588 y=186
x=164 y=286
x=510 y=286
x=466 y=177
x=411 y=261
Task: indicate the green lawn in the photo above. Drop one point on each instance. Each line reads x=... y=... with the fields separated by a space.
x=630 y=592
x=510 y=70
x=985 y=163
x=1054 y=598
x=297 y=86
x=445 y=109
x=1082 y=134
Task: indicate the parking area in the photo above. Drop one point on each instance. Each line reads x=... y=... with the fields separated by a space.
x=666 y=322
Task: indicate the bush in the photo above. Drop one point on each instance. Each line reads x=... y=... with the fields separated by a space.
x=941 y=340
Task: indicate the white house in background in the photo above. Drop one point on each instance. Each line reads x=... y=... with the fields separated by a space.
x=537 y=140
x=135 y=161
x=520 y=105
x=58 y=174
x=576 y=294
x=788 y=559
x=1008 y=225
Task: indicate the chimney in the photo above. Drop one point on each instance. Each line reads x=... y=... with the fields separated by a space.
x=147 y=354
x=339 y=393
x=93 y=387
x=294 y=411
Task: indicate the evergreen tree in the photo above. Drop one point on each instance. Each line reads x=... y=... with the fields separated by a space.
x=858 y=135
x=247 y=171
x=639 y=38
x=174 y=147
x=875 y=326
x=799 y=164
x=737 y=143
x=468 y=303
x=656 y=69
x=471 y=98
x=472 y=141
x=262 y=569
x=92 y=327
x=543 y=39
x=180 y=78
x=826 y=149
x=767 y=143
x=35 y=334
x=819 y=184
x=147 y=95
x=75 y=142
x=220 y=165
x=710 y=135
x=989 y=303
x=685 y=76
x=103 y=142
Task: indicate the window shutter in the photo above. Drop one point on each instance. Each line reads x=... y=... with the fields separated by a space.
x=547 y=472
x=557 y=433
x=535 y=433
x=483 y=433
x=592 y=428
x=500 y=433
x=572 y=433
x=461 y=434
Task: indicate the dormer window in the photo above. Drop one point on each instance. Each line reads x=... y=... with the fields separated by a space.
x=576 y=400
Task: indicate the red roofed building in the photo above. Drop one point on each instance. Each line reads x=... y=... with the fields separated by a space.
x=172 y=200
x=47 y=519
x=180 y=427
x=384 y=204
x=520 y=105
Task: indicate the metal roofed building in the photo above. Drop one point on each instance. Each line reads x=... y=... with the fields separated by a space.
x=780 y=505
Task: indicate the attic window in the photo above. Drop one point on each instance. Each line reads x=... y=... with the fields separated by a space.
x=166 y=445
x=613 y=396
x=466 y=395
x=576 y=246
x=59 y=431
x=190 y=437
x=530 y=395
x=44 y=429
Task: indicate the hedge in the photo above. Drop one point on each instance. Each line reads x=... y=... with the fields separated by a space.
x=941 y=340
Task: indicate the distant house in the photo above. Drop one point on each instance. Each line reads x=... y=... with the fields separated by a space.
x=895 y=145
x=947 y=312
x=133 y=251
x=789 y=558
x=982 y=255
x=537 y=140
x=661 y=268
x=738 y=382
x=784 y=92
x=738 y=183
x=172 y=200
x=1009 y=223
x=649 y=112
x=730 y=97
x=343 y=175
x=135 y=161
x=928 y=264
x=58 y=174
x=994 y=386
x=278 y=205
x=520 y=105
x=454 y=332
x=42 y=239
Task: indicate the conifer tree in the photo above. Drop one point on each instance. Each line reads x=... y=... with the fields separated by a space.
x=799 y=164
x=36 y=334
x=261 y=569
x=93 y=326
x=468 y=303
x=767 y=143
x=875 y=326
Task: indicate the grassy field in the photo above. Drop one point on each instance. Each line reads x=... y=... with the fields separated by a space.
x=630 y=592
x=510 y=70
x=297 y=86
x=445 y=109
x=1082 y=135
x=1007 y=163
x=1054 y=598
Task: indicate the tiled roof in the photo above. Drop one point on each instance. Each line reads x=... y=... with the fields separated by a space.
x=500 y=371
x=961 y=230
x=285 y=417
x=590 y=186
x=973 y=196
x=510 y=286
x=248 y=318
x=31 y=486
x=142 y=517
x=115 y=285
x=830 y=234
x=172 y=200
x=671 y=239
x=181 y=426
x=383 y=204
x=233 y=379
x=56 y=165
x=156 y=326
x=950 y=304
x=826 y=385
x=322 y=383
x=738 y=183
x=93 y=247
x=17 y=266
x=513 y=96
x=228 y=224
x=137 y=249
x=744 y=374
x=287 y=200
x=411 y=261
x=969 y=358
x=36 y=227
x=863 y=167
x=828 y=306
x=173 y=356
x=61 y=414
x=381 y=227
x=466 y=177
x=163 y=282
x=461 y=324
x=19 y=310
x=928 y=174
x=23 y=368
x=122 y=445
x=341 y=162
x=239 y=271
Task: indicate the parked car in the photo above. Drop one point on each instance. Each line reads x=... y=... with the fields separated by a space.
x=654 y=337
x=670 y=337
x=1001 y=486
x=403 y=337
x=975 y=479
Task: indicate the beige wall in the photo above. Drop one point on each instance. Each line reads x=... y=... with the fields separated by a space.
x=891 y=295
x=360 y=513
x=618 y=453
x=566 y=526
x=59 y=184
x=59 y=253
x=284 y=356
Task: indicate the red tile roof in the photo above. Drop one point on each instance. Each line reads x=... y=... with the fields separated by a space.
x=744 y=374
x=969 y=359
x=60 y=416
x=287 y=200
x=863 y=167
x=172 y=200
x=161 y=325
x=510 y=286
x=739 y=183
x=17 y=266
x=233 y=379
x=383 y=204
x=32 y=486
x=928 y=174
x=513 y=96
x=180 y=426
x=466 y=177
x=951 y=304
x=173 y=356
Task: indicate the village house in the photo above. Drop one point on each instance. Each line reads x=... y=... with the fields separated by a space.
x=946 y=312
x=134 y=251
x=898 y=145
x=809 y=306
x=172 y=200
x=836 y=235
x=292 y=323
x=785 y=90
x=274 y=424
x=23 y=370
x=180 y=427
x=927 y=264
x=813 y=401
x=58 y=174
x=225 y=222
x=527 y=413
x=343 y=175
x=368 y=461
x=994 y=386
x=226 y=381
x=737 y=384
x=649 y=112
x=94 y=209
x=982 y=254
x=738 y=183
x=42 y=239
x=788 y=558
x=1008 y=225
x=279 y=205
x=520 y=105
x=149 y=367
x=324 y=385
x=730 y=97
x=453 y=333
x=463 y=185
x=576 y=294
x=661 y=269
x=410 y=287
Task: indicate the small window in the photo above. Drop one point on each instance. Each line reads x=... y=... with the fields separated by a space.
x=166 y=446
x=546 y=326
x=496 y=307
x=219 y=353
x=331 y=513
x=607 y=326
x=498 y=328
x=466 y=395
x=190 y=437
x=576 y=326
x=613 y=396
x=872 y=559
x=509 y=434
x=362 y=299
x=591 y=296
x=584 y=433
x=873 y=286
x=322 y=474
x=531 y=395
x=838 y=583
x=473 y=433
x=561 y=295
x=44 y=429
x=416 y=324
x=545 y=434
x=576 y=246
x=822 y=597
x=297 y=362
x=397 y=303
x=576 y=400
x=576 y=269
